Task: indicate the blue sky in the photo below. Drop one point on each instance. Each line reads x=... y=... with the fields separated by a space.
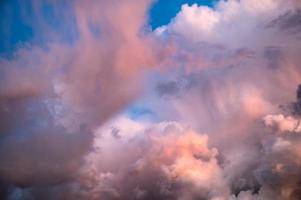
x=164 y=10
x=15 y=30
x=19 y=25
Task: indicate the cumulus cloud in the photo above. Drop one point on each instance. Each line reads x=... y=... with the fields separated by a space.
x=233 y=23
x=234 y=62
x=160 y=161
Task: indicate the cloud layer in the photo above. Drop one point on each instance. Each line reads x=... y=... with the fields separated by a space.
x=220 y=84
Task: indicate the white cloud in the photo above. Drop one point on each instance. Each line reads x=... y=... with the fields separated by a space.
x=283 y=123
x=232 y=23
x=175 y=153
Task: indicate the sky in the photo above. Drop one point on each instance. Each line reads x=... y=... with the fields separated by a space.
x=17 y=30
x=150 y=100
x=161 y=12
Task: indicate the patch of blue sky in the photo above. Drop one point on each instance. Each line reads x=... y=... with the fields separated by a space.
x=22 y=23
x=163 y=11
x=13 y=28
x=138 y=111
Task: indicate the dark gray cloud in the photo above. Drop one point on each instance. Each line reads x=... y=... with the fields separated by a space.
x=274 y=56
x=289 y=22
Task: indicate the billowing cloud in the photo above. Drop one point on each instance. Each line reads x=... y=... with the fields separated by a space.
x=152 y=161
x=234 y=62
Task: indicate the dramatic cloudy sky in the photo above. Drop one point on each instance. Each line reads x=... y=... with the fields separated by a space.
x=150 y=100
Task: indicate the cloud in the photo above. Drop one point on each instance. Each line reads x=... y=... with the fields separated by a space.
x=54 y=95
x=229 y=22
x=231 y=71
x=161 y=161
x=213 y=79
x=281 y=123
